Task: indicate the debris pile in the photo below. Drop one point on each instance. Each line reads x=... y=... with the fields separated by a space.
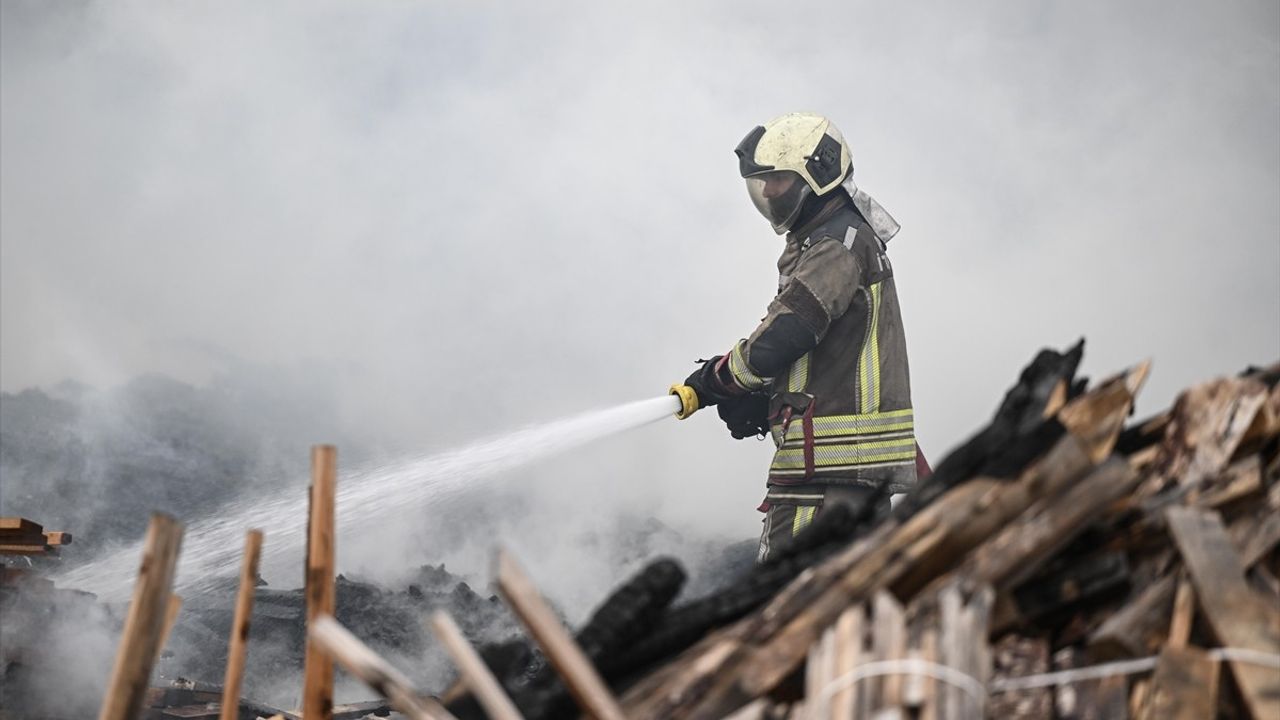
x=1061 y=563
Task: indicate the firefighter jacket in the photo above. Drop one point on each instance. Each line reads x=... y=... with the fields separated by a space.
x=832 y=355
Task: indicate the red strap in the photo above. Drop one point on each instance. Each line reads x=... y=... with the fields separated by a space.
x=807 y=425
x=786 y=421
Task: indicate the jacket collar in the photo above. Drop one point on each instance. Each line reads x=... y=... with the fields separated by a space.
x=833 y=206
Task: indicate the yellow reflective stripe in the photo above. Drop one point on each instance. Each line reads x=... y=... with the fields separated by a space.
x=799 y=374
x=804 y=516
x=833 y=469
x=741 y=371
x=869 y=359
x=827 y=426
x=855 y=454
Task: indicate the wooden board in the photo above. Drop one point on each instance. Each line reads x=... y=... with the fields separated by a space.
x=579 y=675
x=1238 y=617
x=1184 y=687
x=20 y=526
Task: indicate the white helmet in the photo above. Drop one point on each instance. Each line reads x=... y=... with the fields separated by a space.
x=776 y=156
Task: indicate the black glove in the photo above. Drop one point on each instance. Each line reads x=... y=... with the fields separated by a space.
x=704 y=382
x=746 y=415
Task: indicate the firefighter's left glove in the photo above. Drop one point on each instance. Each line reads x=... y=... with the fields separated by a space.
x=706 y=382
x=746 y=415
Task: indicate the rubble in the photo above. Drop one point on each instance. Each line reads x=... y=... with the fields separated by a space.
x=1064 y=562
x=1060 y=538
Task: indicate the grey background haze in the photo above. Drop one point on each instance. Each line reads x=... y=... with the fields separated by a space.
x=453 y=218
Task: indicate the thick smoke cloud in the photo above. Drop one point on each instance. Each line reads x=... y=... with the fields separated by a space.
x=465 y=217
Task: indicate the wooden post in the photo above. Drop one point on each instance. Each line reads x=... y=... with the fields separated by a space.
x=564 y=654
x=145 y=622
x=475 y=674
x=338 y=642
x=230 y=709
x=317 y=692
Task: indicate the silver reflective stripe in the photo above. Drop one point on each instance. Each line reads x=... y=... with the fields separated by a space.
x=806 y=497
x=849 y=236
x=763 y=553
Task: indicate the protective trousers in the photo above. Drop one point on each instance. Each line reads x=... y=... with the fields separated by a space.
x=787 y=512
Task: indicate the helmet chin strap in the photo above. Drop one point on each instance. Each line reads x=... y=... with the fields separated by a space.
x=881 y=222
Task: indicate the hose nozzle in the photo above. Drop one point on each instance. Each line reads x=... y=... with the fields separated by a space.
x=688 y=400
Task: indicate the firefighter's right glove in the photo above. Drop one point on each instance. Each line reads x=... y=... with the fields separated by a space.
x=706 y=382
x=746 y=415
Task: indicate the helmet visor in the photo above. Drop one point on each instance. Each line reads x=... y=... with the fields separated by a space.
x=778 y=196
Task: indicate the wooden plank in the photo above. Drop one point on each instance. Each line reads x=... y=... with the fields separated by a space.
x=1184 y=608
x=813 y=680
x=25 y=549
x=1255 y=540
x=928 y=705
x=1241 y=482
x=584 y=683
x=819 y=672
x=1140 y=626
x=362 y=662
x=1021 y=548
x=1139 y=696
x=1184 y=687
x=144 y=624
x=1238 y=617
x=827 y=673
x=889 y=640
x=20 y=525
x=1093 y=416
x=951 y=651
x=238 y=644
x=977 y=615
x=1110 y=700
x=317 y=695
x=57 y=538
x=1209 y=421
x=475 y=674
x=848 y=652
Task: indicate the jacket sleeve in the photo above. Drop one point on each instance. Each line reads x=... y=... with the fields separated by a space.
x=820 y=290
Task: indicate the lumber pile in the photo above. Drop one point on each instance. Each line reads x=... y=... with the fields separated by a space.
x=1064 y=562
x=20 y=536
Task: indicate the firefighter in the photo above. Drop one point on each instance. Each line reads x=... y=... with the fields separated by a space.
x=825 y=373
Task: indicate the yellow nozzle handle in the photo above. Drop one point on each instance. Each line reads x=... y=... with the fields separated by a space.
x=688 y=400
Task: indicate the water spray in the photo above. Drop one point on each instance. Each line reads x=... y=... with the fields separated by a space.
x=211 y=547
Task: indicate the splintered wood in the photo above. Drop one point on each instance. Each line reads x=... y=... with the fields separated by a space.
x=1154 y=547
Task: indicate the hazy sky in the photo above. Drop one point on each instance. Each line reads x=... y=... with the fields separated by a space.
x=473 y=215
